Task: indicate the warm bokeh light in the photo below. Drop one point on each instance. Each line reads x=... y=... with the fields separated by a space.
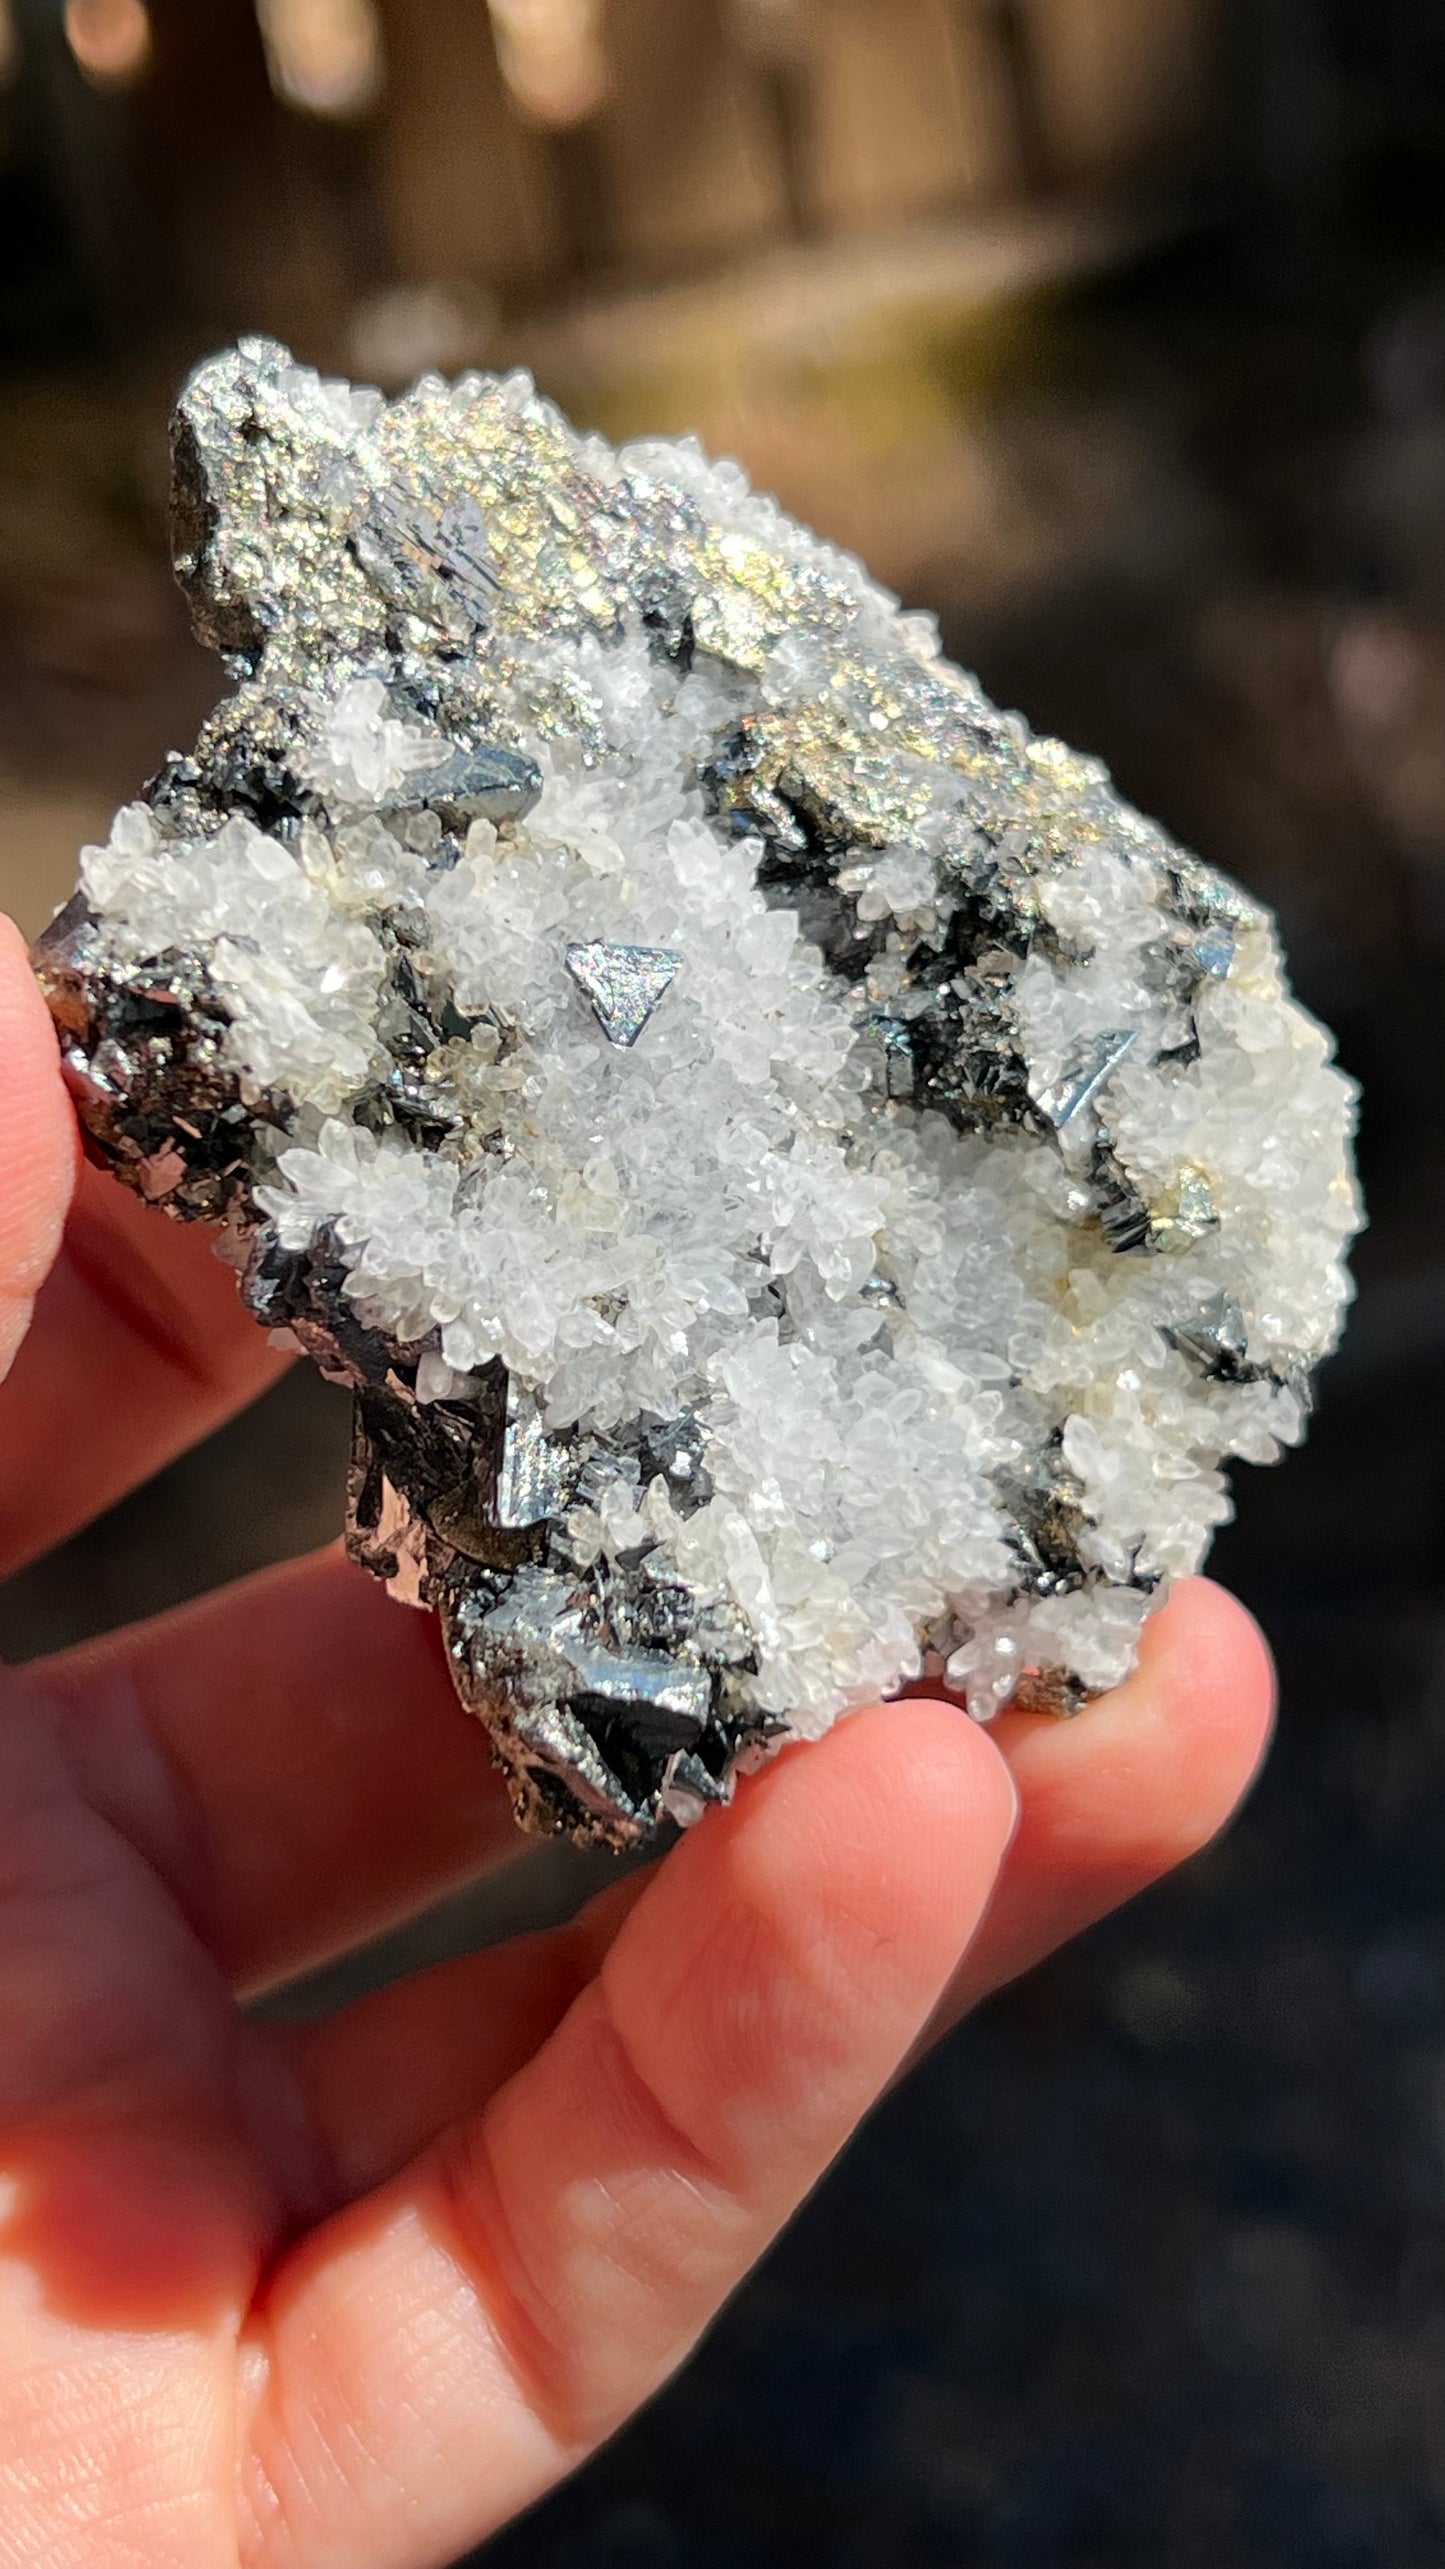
x=551 y=56
x=402 y=331
x=769 y=31
x=9 y=43
x=324 y=55
x=110 y=39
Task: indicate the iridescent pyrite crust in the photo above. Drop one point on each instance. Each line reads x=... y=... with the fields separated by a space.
x=803 y=1183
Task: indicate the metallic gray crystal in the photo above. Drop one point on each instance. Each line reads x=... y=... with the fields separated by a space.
x=623 y=984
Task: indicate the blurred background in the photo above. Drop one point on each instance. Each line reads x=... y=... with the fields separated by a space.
x=1114 y=331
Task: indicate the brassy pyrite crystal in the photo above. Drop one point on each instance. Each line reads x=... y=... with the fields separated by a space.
x=803 y=1183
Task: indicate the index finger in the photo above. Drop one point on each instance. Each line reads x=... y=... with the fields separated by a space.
x=430 y=2359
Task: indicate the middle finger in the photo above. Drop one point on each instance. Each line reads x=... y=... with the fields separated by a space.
x=290 y=1754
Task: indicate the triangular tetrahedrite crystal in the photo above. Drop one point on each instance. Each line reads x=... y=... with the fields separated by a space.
x=623 y=983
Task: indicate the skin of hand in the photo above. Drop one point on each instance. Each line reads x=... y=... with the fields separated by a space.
x=349 y=2295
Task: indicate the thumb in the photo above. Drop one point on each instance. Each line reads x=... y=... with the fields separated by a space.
x=37 y=1143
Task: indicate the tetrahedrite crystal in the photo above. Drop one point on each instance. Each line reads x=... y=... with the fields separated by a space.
x=804 y=1184
x=624 y=984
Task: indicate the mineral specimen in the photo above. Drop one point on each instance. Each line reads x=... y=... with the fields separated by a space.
x=803 y=1183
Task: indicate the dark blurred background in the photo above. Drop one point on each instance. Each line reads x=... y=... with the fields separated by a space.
x=1114 y=330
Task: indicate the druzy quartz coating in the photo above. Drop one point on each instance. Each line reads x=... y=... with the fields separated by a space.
x=803 y=1183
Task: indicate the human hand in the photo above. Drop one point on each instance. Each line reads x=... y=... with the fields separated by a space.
x=349 y=2295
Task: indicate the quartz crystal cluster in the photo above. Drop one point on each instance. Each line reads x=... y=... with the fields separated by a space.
x=804 y=1184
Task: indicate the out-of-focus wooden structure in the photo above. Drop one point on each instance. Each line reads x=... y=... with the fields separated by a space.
x=732 y=122
x=702 y=129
